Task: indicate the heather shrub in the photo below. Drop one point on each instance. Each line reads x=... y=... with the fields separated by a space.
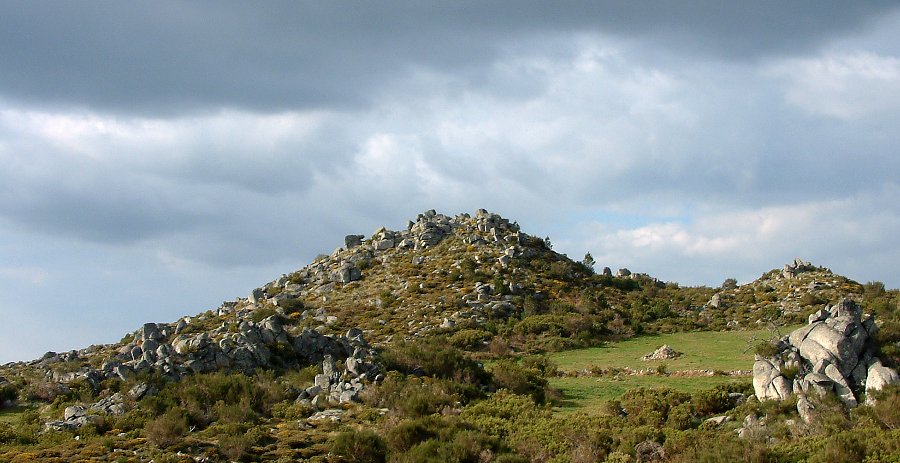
x=167 y=429
x=362 y=446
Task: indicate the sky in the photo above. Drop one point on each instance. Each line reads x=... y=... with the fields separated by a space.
x=159 y=158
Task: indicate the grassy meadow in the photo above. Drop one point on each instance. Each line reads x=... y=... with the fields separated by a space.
x=723 y=351
x=703 y=350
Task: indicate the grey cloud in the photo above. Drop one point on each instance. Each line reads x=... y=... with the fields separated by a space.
x=174 y=57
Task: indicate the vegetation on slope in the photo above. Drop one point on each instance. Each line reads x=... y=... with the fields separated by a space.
x=461 y=326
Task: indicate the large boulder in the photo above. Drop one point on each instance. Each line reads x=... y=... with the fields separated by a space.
x=828 y=355
x=878 y=377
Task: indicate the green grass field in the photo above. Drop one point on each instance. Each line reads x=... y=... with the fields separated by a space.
x=588 y=394
x=703 y=350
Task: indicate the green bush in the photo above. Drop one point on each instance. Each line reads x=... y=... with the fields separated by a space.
x=841 y=447
x=469 y=338
x=433 y=357
x=8 y=392
x=766 y=349
x=359 y=446
x=519 y=379
x=167 y=429
x=413 y=397
x=546 y=324
x=410 y=433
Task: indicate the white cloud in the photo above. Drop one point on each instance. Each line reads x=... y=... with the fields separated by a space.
x=855 y=234
x=845 y=85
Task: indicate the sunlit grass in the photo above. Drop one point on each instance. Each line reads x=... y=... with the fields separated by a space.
x=703 y=350
x=588 y=394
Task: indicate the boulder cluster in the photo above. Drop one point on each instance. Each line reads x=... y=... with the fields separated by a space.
x=340 y=386
x=829 y=355
x=346 y=265
x=797 y=267
x=664 y=352
x=160 y=348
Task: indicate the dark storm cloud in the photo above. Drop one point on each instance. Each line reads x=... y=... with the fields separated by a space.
x=172 y=57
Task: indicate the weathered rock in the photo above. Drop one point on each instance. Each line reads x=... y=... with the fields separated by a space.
x=664 y=352
x=878 y=377
x=649 y=451
x=764 y=372
x=840 y=386
x=806 y=409
x=257 y=295
x=352 y=241
x=322 y=381
x=829 y=356
x=74 y=411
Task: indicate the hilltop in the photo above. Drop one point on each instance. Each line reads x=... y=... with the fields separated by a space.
x=345 y=334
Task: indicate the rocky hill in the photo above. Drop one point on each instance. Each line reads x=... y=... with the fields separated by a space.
x=336 y=328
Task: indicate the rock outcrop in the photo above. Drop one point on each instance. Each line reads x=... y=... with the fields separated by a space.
x=829 y=355
x=251 y=346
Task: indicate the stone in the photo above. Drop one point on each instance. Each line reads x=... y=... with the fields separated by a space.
x=664 y=352
x=74 y=411
x=840 y=386
x=383 y=245
x=764 y=373
x=806 y=410
x=829 y=354
x=328 y=366
x=141 y=390
x=718 y=420
x=878 y=377
x=347 y=274
x=649 y=451
x=256 y=295
x=323 y=381
x=352 y=241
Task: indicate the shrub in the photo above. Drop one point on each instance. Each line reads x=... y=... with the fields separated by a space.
x=887 y=406
x=261 y=314
x=289 y=410
x=840 y=447
x=410 y=433
x=766 y=349
x=414 y=397
x=521 y=380
x=7 y=392
x=167 y=429
x=469 y=338
x=433 y=357
x=711 y=401
x=363 y=446
x=651 y=406
x=235 y=440
x=549 y=324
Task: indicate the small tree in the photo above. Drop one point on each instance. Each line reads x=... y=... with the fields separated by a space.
x=588 y=261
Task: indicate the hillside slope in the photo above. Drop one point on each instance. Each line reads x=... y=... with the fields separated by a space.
x=354 y=328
